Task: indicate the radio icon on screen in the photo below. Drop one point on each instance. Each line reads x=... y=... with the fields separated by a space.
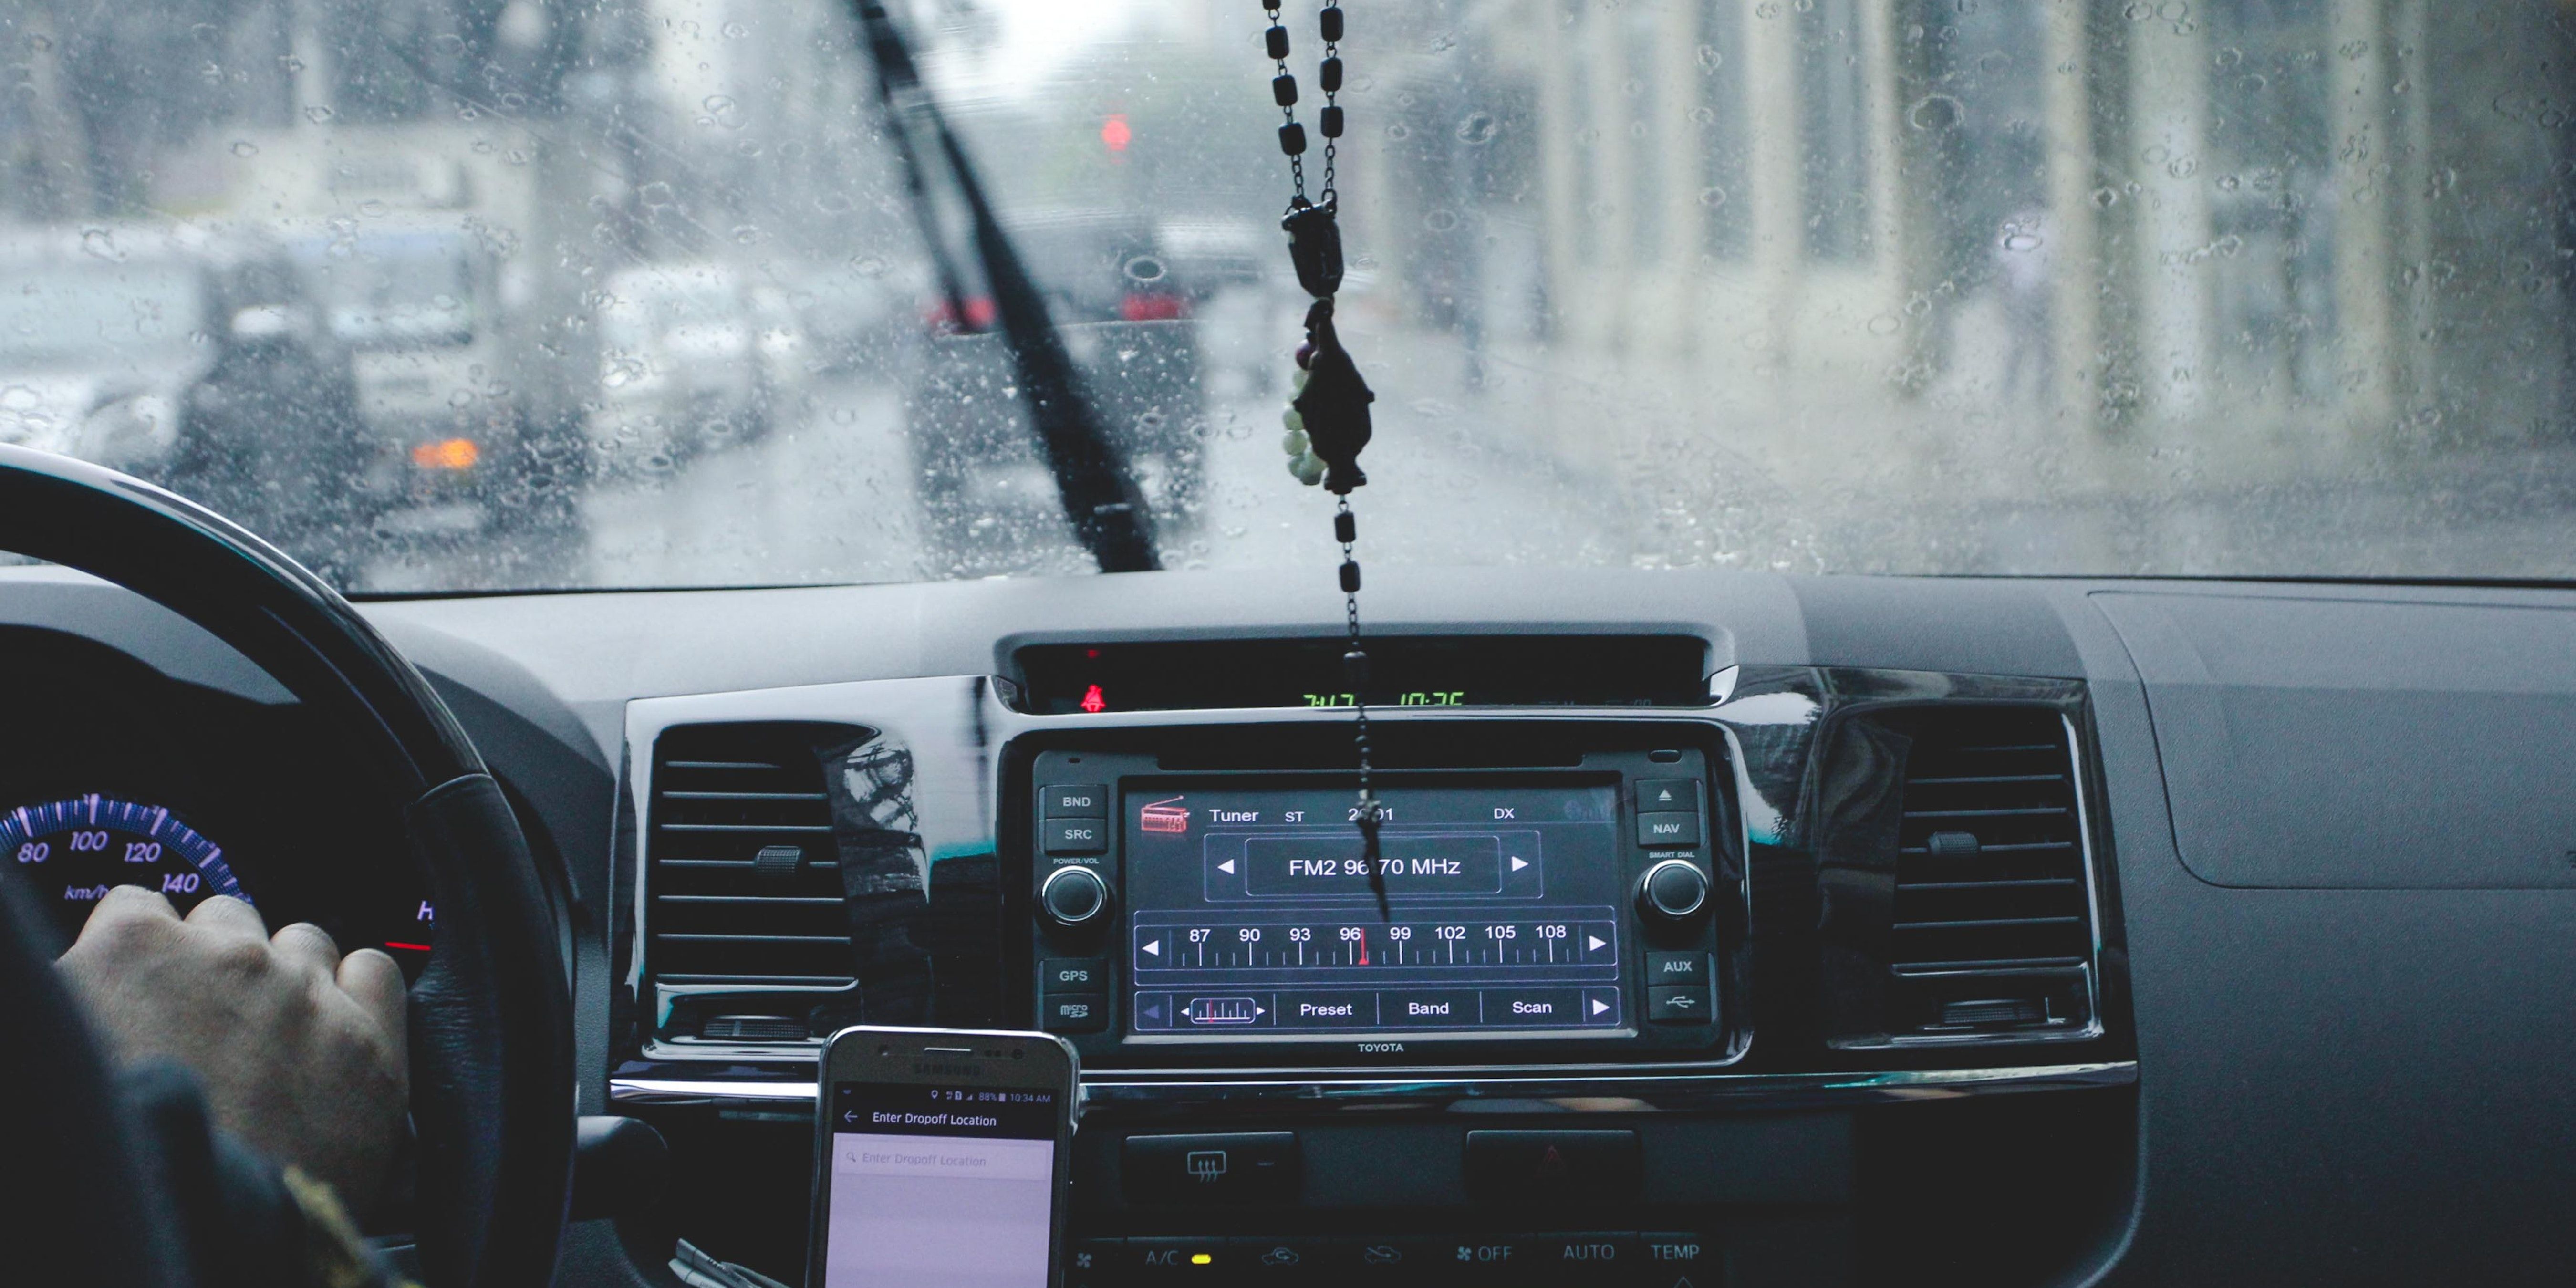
x=1163 y=816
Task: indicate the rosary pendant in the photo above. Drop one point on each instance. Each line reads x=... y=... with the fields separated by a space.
x=1328 y=418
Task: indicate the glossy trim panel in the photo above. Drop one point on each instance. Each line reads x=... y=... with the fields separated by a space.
x=1643 y=1092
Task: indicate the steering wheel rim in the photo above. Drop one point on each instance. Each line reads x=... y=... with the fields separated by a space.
x=490 y=1018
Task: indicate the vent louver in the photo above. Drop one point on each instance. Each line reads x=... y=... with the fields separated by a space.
x=744 y=880
x=1992 y=927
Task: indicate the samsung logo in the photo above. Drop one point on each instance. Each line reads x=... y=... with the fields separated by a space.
x=952 y=1070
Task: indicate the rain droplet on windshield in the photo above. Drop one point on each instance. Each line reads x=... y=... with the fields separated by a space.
x=1935 y=112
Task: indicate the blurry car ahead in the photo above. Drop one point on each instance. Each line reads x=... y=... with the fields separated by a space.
x=687 y=362
x=102 y=329
x=415 y=300
x=1127 y=319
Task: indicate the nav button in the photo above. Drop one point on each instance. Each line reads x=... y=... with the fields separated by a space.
x=1668 y=828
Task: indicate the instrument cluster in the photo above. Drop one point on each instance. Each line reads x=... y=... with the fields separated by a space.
x=118 y=775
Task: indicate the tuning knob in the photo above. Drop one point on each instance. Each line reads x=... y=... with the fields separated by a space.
x=1674 y=890
x=1073 y=896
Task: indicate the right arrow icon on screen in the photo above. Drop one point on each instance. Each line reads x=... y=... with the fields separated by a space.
x=1598 y=1006
x=1591 y=944
x=1518 y=863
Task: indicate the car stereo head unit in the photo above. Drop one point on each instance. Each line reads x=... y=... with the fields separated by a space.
x=1575 y=912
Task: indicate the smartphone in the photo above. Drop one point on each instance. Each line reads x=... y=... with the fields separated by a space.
x=941 y=1159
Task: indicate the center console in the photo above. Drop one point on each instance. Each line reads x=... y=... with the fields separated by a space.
x=1579 y=909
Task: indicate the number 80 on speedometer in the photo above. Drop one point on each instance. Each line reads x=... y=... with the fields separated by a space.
x=74 y=850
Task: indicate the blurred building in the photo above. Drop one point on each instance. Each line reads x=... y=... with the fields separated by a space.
x=2293 y=225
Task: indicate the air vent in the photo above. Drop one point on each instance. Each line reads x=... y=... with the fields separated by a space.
x=745 y=881
x=1992 y=928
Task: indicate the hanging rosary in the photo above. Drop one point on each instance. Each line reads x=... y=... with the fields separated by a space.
x=1328 y=419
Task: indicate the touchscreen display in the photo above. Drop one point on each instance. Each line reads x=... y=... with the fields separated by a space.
x=1251 y=912
x=939 y=1186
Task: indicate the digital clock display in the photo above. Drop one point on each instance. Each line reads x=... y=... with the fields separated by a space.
x=1405 y=671
x=1408 y=698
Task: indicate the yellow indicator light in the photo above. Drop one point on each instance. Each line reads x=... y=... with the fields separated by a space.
x=1201 y=1259
x=447 y=454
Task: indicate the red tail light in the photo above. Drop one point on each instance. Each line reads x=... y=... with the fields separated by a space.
x=1153 y=306
x=943 y=319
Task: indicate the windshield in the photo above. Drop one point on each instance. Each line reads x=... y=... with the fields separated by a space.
x=664 y=293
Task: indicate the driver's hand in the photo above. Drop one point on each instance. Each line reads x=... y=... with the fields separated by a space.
x=302 y=1050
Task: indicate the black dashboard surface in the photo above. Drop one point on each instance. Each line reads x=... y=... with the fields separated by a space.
x=2340 y=1076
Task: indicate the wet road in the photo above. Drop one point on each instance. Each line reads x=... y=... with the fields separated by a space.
x=828 y=496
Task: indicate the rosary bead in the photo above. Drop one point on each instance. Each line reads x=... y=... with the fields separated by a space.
x=1332 y=23
x=1283 y=89
x=1305 y=355
x=1346 y=527
x=1276 y=41
x=1292 y=139
x=1330 y=122
x=1329 y=75
x=1350 y=577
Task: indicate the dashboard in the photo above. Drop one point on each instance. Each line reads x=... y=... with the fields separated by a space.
x=1726 y=928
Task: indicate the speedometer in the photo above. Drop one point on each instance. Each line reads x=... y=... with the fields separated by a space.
x=73 y=850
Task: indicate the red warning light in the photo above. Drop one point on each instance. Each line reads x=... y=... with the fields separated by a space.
x=1115 y=133
x=1093 y=702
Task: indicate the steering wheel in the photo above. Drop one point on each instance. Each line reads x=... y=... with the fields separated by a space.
x=491 y=1016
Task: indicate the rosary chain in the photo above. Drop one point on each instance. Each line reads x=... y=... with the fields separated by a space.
x=1277 y=39
x=1345 y=526
x=1292 y=136
x=1331 y=83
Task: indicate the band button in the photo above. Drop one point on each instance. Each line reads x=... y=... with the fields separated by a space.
x=1077 y=800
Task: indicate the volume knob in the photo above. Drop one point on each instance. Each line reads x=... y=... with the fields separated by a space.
x=1674 y=890
x=1073 y=896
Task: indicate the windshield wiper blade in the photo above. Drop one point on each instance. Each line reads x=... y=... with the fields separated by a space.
x=1092 y=477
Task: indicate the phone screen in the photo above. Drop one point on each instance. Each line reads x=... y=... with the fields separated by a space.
x=939 y=1186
